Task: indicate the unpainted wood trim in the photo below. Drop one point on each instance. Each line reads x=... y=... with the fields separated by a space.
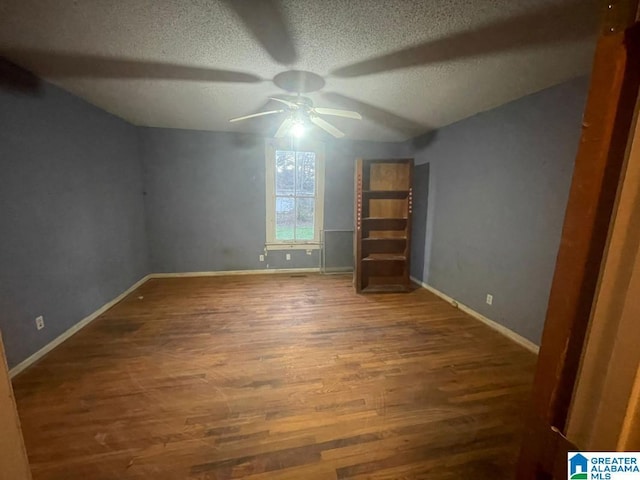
x=607 y=122
x=14 y=464
x=611 y=357
x=507 y=332
x=358 y=179
x=606 y=129
x=550 y=447
x=629 y=440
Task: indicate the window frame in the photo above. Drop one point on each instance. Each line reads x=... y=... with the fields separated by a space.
x=299 y=145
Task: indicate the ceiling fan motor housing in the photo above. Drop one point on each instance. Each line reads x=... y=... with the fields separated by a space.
x=299 y=81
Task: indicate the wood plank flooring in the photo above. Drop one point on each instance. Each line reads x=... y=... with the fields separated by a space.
x=276 y=377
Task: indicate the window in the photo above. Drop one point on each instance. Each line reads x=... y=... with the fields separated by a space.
x=295 y=193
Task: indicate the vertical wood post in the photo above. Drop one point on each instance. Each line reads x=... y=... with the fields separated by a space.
x=606 y=128
x=14 y=464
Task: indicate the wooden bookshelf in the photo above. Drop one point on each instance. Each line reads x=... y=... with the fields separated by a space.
x=383 y=207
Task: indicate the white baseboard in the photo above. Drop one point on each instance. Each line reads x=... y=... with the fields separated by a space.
x=338 y=271
x=78 y=326
x=223 y=273
x=87 y=320
x=519 y=339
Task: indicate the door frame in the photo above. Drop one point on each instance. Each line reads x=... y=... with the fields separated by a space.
x=604 y=412
x=606 y=130
x=14 y=463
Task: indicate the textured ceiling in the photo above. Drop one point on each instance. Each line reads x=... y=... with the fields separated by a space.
x=407 y=65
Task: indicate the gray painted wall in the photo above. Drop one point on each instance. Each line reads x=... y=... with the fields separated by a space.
x=76 y=231
x=420 y=185
x=71 y=214
x=205 y=199
x=499 y=183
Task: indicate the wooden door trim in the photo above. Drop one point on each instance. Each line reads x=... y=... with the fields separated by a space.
x=610 y=362
x=595 y=182
x=606 y=128
x=14 y=463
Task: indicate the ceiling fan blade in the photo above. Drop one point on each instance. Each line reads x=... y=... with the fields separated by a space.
x=59 y=65
x=286 y=102
x=571 y=21
x=379 y=115
x=338 y=113
x=326 y=126
x=264 y=19
x=237 y=119
x=284 y=128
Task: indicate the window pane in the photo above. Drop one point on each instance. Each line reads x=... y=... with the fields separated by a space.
x=304 y=218
x=285 y=218
x=306 y=162
x=285 y=172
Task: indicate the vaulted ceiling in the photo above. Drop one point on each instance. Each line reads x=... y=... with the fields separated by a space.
x=408 y=66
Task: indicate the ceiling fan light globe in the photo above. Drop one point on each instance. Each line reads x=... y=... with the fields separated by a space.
x=297 y=130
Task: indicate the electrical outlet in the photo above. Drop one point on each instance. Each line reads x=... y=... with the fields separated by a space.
x=262 y=258
x=489 y=299
x=288 y=256
x=40 y=322
x=309 y=251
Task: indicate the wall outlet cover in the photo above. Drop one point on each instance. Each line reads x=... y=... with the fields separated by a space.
x=40 y=322
x=489 y=299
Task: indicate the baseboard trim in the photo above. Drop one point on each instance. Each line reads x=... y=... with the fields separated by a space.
x=224 y=273
x=337 y=271
x=519 y=339
x=27 y=362
x=85 y=321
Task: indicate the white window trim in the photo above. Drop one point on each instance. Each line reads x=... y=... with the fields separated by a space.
x=271 y=145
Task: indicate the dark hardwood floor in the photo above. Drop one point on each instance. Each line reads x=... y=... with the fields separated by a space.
x=279 y=377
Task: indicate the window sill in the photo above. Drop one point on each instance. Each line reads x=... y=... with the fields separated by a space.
x=292 y=246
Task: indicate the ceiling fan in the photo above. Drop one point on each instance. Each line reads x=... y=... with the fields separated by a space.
x=265 y=21
x=300 y=111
